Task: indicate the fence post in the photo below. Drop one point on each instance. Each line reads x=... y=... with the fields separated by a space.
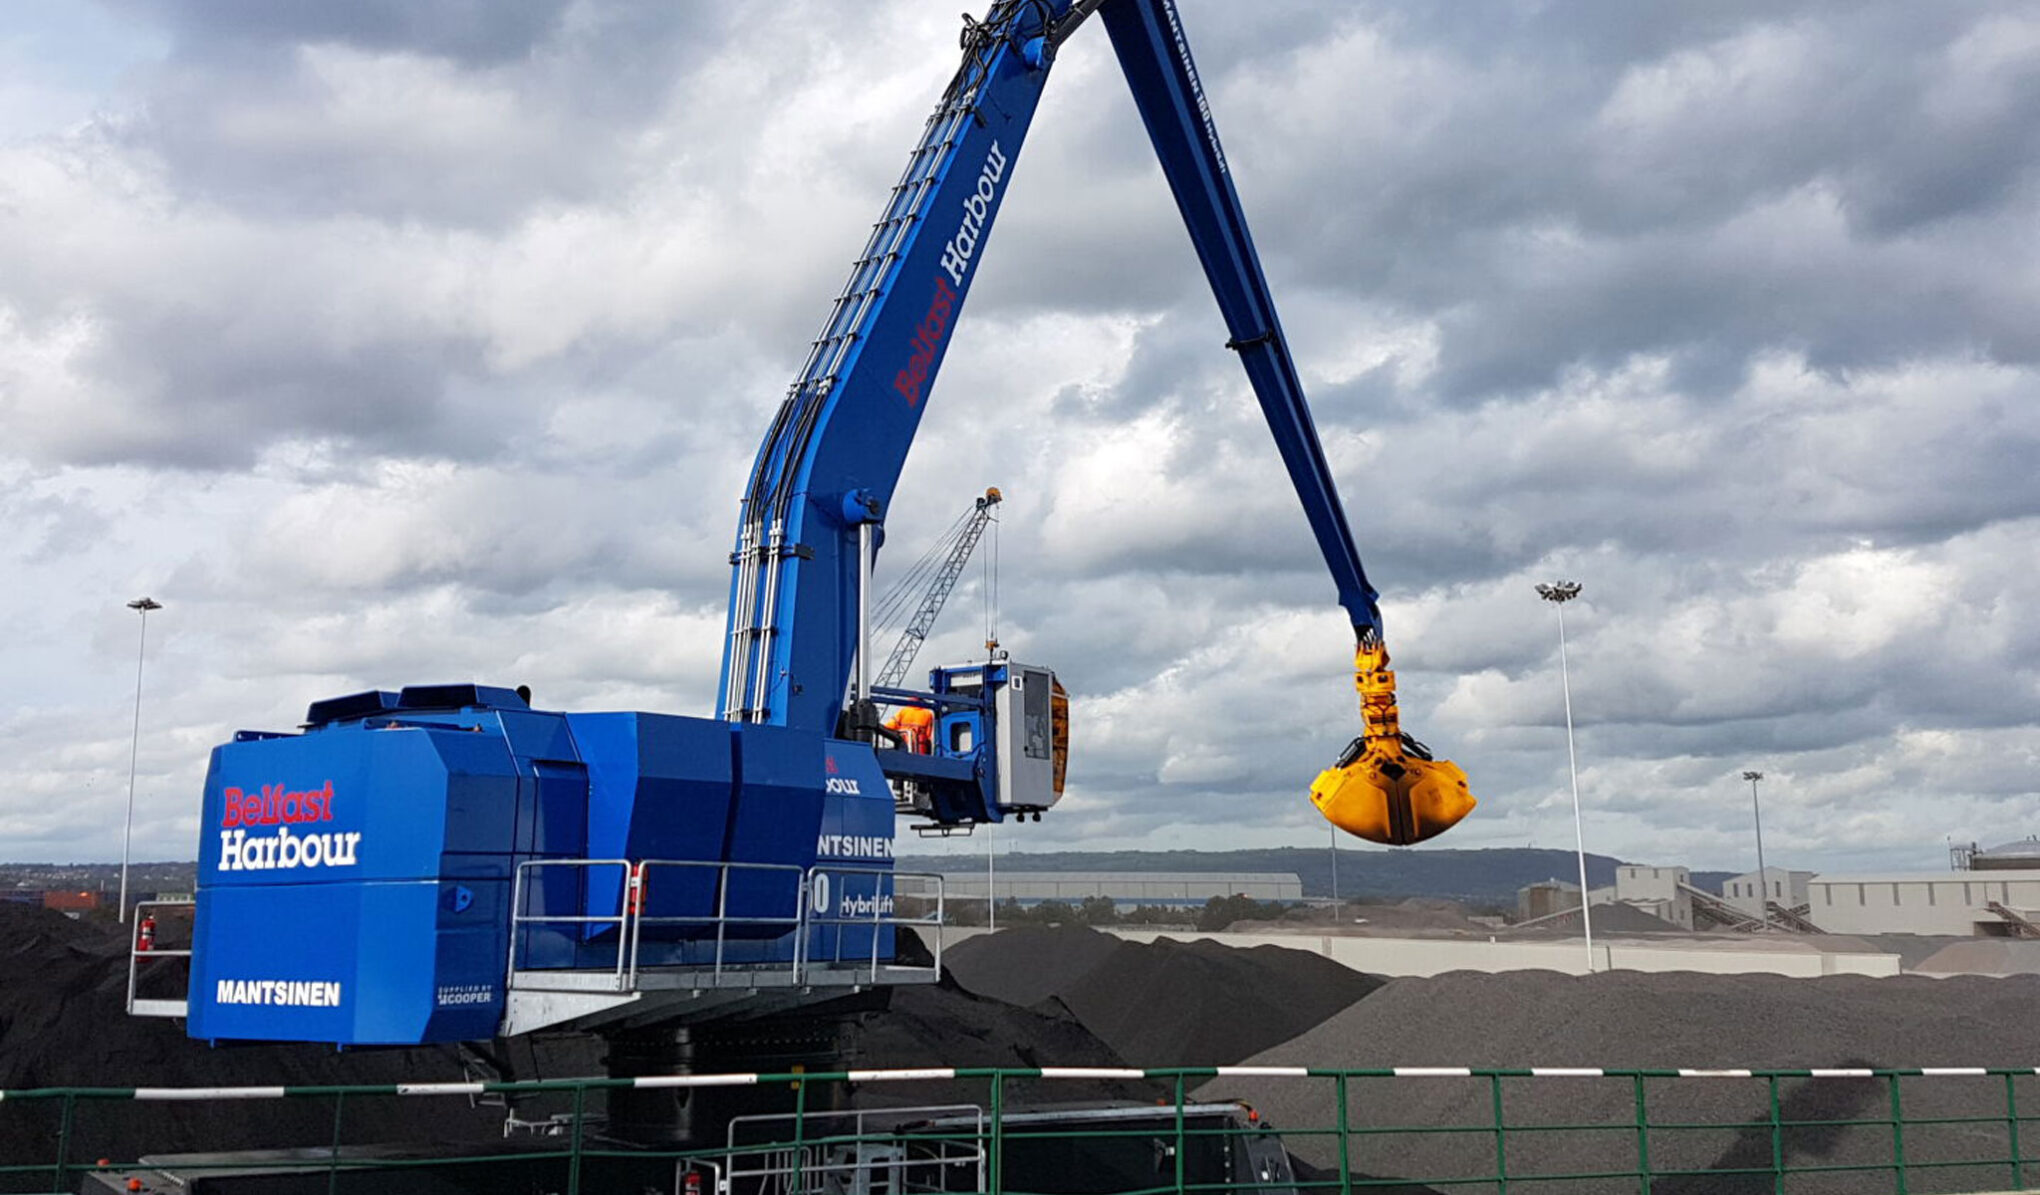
x=1777 y=1140
x=2012 y=1128
x=998 y=1142
x=799 y=1129
x=333 y=1158
x=1179 y=1135
x=1642 y=1138
x=580 y=1125
x=1897 y=1137
x=1345 y=1140
x=1501 y=1138
x=64 y=1141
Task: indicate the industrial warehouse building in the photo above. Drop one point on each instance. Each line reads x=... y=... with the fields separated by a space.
x=1997 y=902
x=1996 y=898
x=1665 y=893
x=1990 y=901
x=1124 y=889
x=1778 y=885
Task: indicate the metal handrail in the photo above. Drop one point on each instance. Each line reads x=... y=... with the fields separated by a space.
x=803 y=918
x=135 y=952
x=519 y=918
x=722 y=918
x=767 y=1161
x=880 y=916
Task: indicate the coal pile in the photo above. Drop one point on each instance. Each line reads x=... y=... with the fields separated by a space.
x=1636 y=1020
x=1074 y=997
x=1027 y=965
x=1163 y=1003
x=944 y=1025
x=64 y=1023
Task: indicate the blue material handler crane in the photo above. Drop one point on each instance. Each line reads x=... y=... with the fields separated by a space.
x=448 y=863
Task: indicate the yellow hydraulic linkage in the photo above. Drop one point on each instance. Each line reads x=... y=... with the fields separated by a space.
x=1386 y=788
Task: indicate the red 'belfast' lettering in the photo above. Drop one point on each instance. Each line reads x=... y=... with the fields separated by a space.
x=927 y=339
x=275 y=804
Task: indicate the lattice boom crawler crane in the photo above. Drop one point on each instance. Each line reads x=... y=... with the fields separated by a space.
x=446 y=863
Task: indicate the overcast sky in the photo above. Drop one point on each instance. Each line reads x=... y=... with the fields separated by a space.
x=393 y=342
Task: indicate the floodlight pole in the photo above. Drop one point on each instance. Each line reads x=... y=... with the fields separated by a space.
x=1558 y=594
x=1335 y=873
x=142 y=606
x=1763 y=878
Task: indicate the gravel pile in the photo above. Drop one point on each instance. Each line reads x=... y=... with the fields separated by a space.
x=1614 y=918
x=1984 y=956
x=1424 y=916
x=1634 y=1020
x=1911 y=949
x=1164 y=1003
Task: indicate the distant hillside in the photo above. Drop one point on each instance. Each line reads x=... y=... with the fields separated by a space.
x=1485 y=877
x=102 y=877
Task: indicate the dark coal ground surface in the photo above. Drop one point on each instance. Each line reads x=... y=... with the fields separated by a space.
x=1164 y=1003
x=1093 y=1000
x=1677 y=1020
x=63 y=1023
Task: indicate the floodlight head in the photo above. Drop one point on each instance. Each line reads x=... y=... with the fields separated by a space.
x=145 y=604
x=1559 y=591
x=1753 y=777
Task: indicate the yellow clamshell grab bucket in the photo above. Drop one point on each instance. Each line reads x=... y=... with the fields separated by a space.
x=1386 y=788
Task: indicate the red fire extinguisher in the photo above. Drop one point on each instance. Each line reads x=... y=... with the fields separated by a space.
x=145 y=933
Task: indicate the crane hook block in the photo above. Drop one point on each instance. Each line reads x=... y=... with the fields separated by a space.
x=1386 y=788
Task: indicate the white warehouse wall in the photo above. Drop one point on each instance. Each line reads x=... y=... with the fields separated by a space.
x=1948 y=902
x=1435 y=956
x=1785 y=887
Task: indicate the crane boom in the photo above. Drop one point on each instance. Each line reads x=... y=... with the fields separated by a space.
x=1386 y=786
x=834 y=453
x=937 y=593
x=1148 y=39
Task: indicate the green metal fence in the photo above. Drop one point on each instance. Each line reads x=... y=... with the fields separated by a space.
x=1443 y=1129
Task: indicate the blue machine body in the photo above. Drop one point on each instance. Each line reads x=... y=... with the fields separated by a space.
x=357 y=879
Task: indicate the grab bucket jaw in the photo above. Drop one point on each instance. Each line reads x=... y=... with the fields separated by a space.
x=1386 y=788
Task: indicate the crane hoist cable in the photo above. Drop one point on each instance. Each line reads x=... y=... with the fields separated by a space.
x=991 y=591
x=904 y=594
x=935 y=590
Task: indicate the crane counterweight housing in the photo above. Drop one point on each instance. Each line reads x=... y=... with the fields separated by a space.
x=447 y=862
x=361 y=881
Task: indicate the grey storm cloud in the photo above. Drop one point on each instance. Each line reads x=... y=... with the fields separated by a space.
x=474 y=32
x=1701 y=182
x=462 y=114
x=392 y=342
